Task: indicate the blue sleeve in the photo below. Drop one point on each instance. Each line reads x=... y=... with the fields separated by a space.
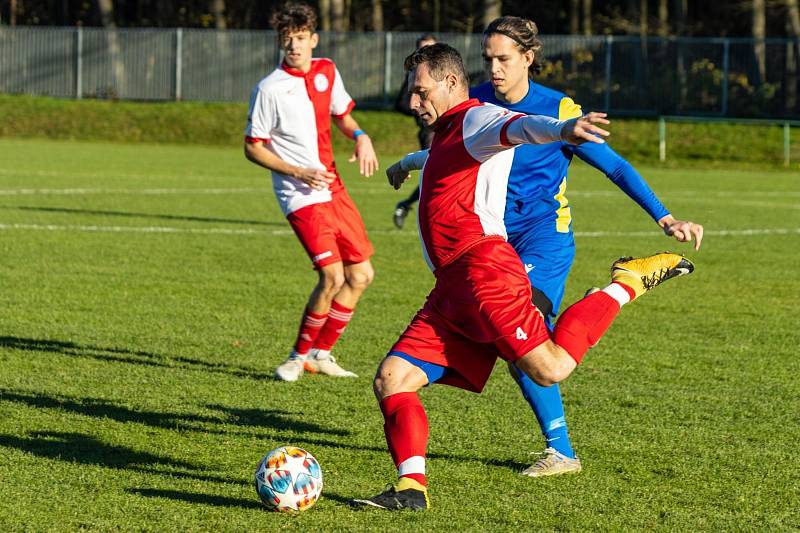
x=624 y=176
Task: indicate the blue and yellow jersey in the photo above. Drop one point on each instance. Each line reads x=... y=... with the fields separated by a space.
x=537 y=184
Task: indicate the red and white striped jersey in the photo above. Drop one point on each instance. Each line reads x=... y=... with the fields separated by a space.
x=290 y=112
x=464 y=182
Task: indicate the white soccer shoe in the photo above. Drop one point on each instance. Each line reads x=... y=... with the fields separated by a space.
x=292 y=368
x=322 y=362
x=552 y=463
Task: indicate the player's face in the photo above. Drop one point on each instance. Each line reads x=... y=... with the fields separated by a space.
x=506 y=66
x=297 y=48
x=429 y=98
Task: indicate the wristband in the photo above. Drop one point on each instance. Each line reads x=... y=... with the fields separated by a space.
x=357 y=134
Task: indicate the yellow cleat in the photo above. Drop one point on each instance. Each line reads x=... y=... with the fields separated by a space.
x=643 y=273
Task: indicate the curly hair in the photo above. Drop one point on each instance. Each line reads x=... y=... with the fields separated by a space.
x=442 y=59
x=294 y=17
x=524 y=33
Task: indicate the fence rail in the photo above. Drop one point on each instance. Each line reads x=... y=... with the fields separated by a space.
x=734 y=77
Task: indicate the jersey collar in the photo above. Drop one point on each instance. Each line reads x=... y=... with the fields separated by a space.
x=447 y=118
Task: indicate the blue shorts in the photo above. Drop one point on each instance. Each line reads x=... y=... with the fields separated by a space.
x=433 y=371
x=547 y=256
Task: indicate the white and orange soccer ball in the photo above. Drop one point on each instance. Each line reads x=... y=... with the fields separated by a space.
x=288 y=479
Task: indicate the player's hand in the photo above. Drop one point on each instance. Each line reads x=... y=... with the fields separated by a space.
x=582 y=129
x=315 y=178
x=365 y=154
x=397 y=175
x=682 y=230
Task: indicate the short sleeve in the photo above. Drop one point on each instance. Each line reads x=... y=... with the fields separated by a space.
x=261 y=119
x=341 y=102
x=485 y=130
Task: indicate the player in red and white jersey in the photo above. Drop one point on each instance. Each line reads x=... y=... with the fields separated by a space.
x=480 y=308
x=288 y=131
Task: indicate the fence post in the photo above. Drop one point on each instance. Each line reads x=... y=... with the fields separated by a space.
x=726 y=56
x=609 y=42
x=178 y=62
x=79 y=63
x=387 y=66
x=662 y=139
x=787 y=144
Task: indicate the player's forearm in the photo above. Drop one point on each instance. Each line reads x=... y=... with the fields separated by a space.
x=414 y=160
x=260 y=155
x=347 y=125
x=534 y=129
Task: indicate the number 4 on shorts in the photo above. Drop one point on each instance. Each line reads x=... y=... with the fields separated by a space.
x=521 y=335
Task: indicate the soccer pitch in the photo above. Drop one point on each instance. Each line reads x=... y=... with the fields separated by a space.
x=148 y=292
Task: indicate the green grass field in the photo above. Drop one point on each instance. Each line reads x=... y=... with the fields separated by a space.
x=149 y=291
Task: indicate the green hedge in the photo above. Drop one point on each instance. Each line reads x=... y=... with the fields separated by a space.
x=701 y=144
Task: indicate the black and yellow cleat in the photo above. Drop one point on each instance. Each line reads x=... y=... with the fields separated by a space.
x=644 y=273
x=406 y=494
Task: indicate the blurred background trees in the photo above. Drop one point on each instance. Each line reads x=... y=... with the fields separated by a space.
x=724 y=18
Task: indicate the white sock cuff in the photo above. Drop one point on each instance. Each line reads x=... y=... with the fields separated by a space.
x=412 y=465
x=618 y=292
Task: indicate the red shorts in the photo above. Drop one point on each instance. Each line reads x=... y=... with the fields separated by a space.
x=332 y=231
x=479 y=310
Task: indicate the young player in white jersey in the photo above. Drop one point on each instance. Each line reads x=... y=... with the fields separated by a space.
x=480 y=307
x=288 y=132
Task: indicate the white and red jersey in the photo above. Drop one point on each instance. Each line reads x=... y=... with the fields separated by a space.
x=290 y=112
x=464 y=182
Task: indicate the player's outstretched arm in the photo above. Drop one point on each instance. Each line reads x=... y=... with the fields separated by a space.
x=682 y=230
x=364 y=153
x=582 y=129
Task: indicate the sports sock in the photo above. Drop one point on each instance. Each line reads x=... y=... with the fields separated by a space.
x=549 y=410
x=406 y=429
x=338 y=318
x=620 y=292
x=584 y=322
x=310 y=328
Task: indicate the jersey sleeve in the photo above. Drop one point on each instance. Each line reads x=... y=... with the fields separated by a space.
x=261 y=117
x=623 y=175
x=414 y=160
x=490 y=129
x=341 y=102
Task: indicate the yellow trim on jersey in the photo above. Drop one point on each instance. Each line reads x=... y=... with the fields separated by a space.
x=563 y=213
x=568 y=109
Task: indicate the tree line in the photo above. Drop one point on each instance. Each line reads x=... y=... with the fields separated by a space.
x=727 y=18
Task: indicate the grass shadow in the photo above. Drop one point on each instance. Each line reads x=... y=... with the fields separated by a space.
x=121 y=355
x=88 y=450
x=104 y=409
x=70 y=210
x=197 y=498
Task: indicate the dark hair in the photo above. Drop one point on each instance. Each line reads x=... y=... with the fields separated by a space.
x=524 y=34
x=442 y=59
x=294 y=17
x=426 y=37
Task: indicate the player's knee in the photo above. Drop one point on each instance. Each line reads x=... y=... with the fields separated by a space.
x=361 y=278
x=332 y=282
x=396 y=375
x=547 y=364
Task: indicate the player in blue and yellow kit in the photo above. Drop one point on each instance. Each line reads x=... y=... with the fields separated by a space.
x=537 y=217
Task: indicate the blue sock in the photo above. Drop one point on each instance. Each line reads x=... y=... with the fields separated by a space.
x=549 y=410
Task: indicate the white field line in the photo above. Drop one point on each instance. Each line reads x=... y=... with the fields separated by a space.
x=286 y=232
x=364 y=189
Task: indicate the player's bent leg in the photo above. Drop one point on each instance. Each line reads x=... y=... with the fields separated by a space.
x=547 y=364
x=406 y=428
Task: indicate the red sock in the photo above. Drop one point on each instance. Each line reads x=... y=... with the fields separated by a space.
x=310 y=327
x=584 y=322
x=338 y=317
x=406 y=428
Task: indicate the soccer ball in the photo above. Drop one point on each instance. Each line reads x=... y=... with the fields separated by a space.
x=288 y=479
